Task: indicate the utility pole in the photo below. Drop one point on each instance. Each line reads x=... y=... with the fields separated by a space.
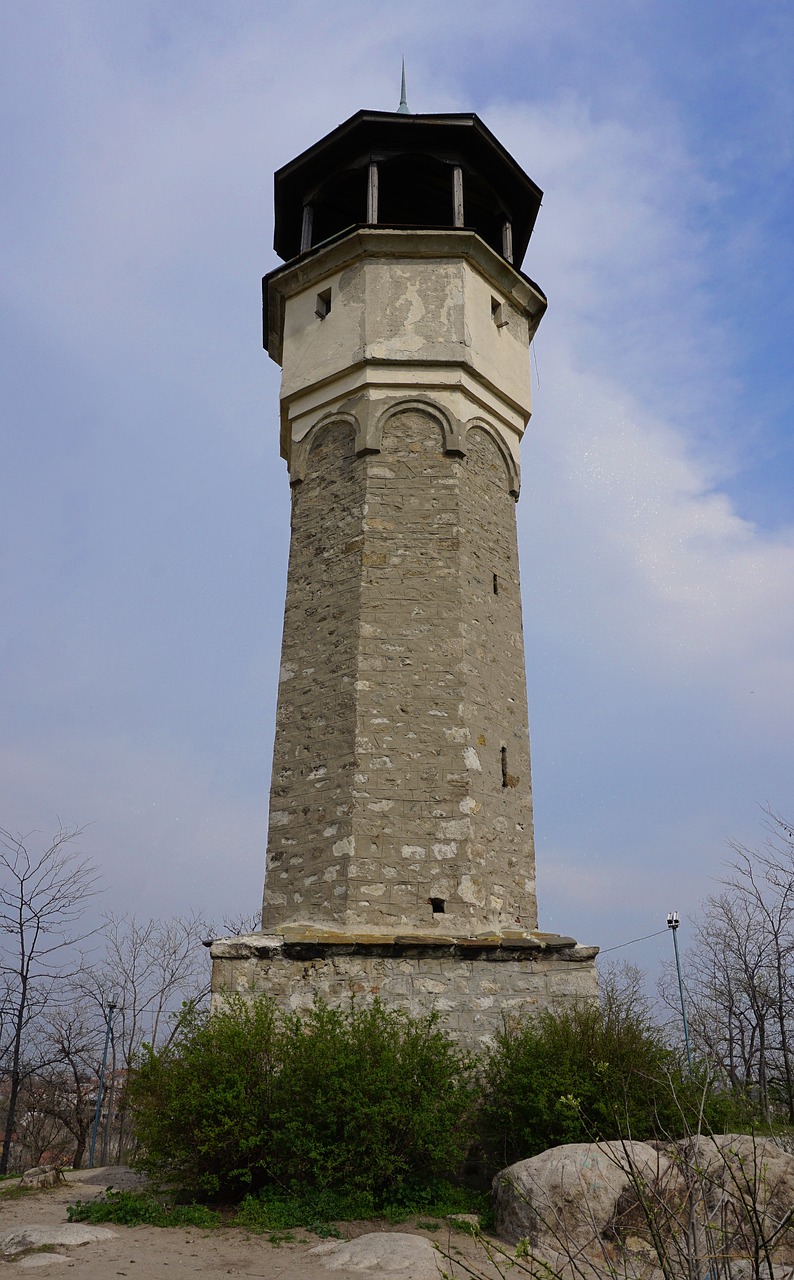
x=111 y=1009
x=672 y=924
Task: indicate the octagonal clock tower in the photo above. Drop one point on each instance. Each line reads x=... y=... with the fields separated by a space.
x=400 y=858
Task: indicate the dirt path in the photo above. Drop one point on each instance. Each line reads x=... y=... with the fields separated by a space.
x=189 y=1253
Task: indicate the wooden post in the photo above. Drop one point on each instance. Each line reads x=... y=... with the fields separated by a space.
x=372 y=193
x=507 y=240
x=306 y=228
x=457 y=196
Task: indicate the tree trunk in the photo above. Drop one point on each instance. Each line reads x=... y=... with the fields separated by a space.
x=16 y=1080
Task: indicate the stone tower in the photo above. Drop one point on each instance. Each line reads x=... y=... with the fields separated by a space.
x=400 y=857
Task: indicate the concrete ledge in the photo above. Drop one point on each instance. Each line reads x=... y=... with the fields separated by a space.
x=305 y=942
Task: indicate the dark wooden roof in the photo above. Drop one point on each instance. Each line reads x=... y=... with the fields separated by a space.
x=494 y=185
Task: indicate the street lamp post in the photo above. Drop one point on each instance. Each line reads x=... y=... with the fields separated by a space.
x=111 y=1009
x=672 y=924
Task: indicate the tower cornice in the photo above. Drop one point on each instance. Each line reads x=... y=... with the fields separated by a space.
x=367 y=242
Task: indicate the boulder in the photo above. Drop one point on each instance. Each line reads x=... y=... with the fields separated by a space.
x=569 y=1197
x=33 y=1260
x=745 y=1185
x=613 y=1203
x=22 y=1239
x=552 y=1265
x=44 y=1175
x=381 y=1253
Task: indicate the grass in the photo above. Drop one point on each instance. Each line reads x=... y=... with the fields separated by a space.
x=142 y=1208
x=276 y=1213
x=281 y=1237
x=19 y=1192
x=317 y=1211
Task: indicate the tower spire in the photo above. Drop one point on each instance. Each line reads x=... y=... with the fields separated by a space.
x=402 y=110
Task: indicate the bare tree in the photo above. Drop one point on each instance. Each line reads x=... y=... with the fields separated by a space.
x=241 y=924
x=740 y=973
x=39 y=1136
x=622 y=988
x=150 y=969
x=43 y=895
x=68 y=1088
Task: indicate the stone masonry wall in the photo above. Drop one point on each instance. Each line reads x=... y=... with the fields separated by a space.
x=411 y=776
x=502 y=877
x=473 y=994
x=310 y=827
x=401 y=790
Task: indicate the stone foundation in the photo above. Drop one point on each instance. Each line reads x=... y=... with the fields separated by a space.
x=473 y=983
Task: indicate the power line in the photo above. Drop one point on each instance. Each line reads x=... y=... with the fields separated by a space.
x=658 y=934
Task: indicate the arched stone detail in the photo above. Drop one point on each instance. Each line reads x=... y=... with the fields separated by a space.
x=412 y=433
x=512 y=474
x=301 y=449
x=451 y=428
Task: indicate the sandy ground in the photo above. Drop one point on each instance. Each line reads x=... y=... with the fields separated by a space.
x=143 y=1253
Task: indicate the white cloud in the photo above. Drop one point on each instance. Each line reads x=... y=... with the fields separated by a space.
x=659 y=618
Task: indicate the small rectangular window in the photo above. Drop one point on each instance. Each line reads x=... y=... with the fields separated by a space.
x=504 y=766
x=439 y=906
x=496 y=584
x=323 y=304
x=498 y=313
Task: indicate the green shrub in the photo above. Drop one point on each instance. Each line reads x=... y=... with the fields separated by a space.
x=141 y=1208
x=587 y=1073
x=370 y=1100
x=366 y=1100
x=274 y=1210
x=201 y=1107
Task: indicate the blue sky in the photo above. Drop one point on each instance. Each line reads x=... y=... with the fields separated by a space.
x=144 y=507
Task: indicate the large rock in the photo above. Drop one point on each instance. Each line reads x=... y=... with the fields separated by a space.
x=745 y=1185
x=21 y=1239
x=572 y=1265
x=381 y=1253
x=740 y=1160
x=570 y=1196
x=44 y=1175
x=617 y=1204
x=34 y=1260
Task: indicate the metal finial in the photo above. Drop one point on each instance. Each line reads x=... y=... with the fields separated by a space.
x=402 y=110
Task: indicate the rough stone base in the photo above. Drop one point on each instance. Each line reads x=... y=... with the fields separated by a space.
x=472 y=983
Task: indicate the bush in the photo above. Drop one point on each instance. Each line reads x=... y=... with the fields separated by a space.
x=272 y=1210
x=366 y=1100
x=588 y=1073
x=200 y=1107
x=141 y=1208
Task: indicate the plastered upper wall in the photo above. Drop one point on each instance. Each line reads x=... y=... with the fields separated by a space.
x=438 y=310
